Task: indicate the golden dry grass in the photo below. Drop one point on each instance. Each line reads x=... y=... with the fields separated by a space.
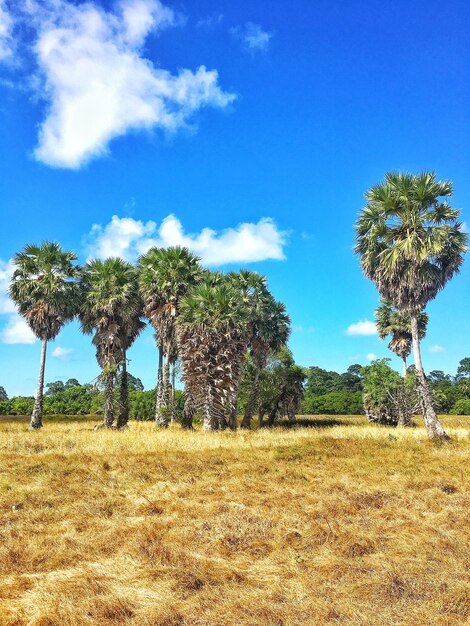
x=343 y=523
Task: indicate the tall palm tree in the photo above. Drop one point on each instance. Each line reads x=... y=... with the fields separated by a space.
x=165 y=276
x=269 y=326
x=390 y=321
x=212 y=336
x=411 y=243
x=45 y=290
x=130 y=330
x=255 y=295
x=110 y=302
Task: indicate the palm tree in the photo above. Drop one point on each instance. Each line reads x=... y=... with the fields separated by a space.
x=130 y=330
x=411 y=243
x=212 y=336
x=269 y=327
x=110 y=309
x=255 y=295
x=390 y=321
x=45 y=290
x=165 y=276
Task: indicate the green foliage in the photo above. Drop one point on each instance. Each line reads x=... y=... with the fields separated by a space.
x=21 y=405
x=461 y=407
x=379 y=381
x=76 y=400
x=55 y=387
x=463 y=370
x=332 y=393
x=333 y=403
x=3 y=394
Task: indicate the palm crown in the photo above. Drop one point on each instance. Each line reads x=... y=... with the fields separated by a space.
x=110 y=300
x=44 y=287
x=397 y=324
x=410 y=241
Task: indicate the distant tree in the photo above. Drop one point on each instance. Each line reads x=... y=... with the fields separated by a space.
x=3 y=393
x=463 y=370
x=71 y=382
x=44 y=288
x=21 y=405
x=411 y=244
x=55 y=387
x=355 y=370
x=133 y=383
x=438 y=376
x=380 y=382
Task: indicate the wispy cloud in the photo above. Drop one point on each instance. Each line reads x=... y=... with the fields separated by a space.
x=253 y=37
x=6 y=32
x=212 y=20
x=245 y=243
x=465 y=227
x=97 y=82
x=298 y=328
x=436 y=348
x=62 y=354
x=371 y=357
x=363 y=327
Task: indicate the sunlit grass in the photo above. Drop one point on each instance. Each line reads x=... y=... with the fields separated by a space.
x=335 y=522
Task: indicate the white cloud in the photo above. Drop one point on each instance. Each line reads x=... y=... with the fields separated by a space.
x=17 y=331
x=371 y=357
x=436 y=348
x=127 y=238
x=97 y=83
x=61 y=353
x=6 y=272
x=465 y=227
x=253 y=37
x=6 y=27
x=364 y=327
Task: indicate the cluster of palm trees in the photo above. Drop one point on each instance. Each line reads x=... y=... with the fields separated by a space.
x=410 y=243
x=206 y=320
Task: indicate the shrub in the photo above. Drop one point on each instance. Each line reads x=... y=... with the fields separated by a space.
x=461 y=407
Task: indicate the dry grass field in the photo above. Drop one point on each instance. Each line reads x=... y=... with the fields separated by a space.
x=334 y=522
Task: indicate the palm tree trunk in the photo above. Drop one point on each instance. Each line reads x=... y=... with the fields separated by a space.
x=158 y=395
x=172 y=398
x=123 y=397
x=162 y=417
x=207 y=416
x=404 y=367
x=36 y=416
x=189 y=412
x=109 y=401
x=433 y=425
x=252 y=401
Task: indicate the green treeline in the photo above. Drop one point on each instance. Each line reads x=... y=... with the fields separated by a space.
x=312 y=390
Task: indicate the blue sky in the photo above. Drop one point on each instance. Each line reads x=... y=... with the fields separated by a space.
x=265 y=127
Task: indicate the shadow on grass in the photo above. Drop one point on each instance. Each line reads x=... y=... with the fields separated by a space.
x=315 y=422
